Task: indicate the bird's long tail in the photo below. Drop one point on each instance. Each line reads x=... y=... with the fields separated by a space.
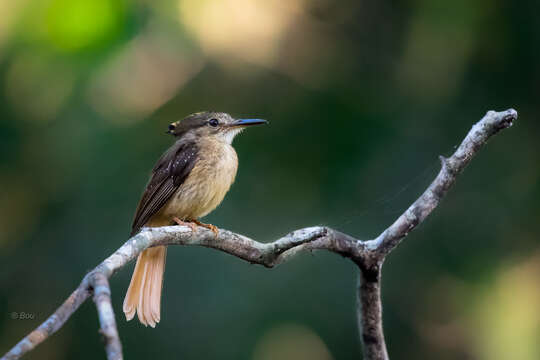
x=144 y=292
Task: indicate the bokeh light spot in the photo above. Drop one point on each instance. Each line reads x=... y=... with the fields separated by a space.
x=506 y=316
x=291 y=342
x=77 y=24
x=142 y=76
x=251 y=30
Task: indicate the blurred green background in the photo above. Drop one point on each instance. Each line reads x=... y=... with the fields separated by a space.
x=362 y=97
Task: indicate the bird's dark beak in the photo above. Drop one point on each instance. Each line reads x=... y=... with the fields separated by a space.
x=247 y=122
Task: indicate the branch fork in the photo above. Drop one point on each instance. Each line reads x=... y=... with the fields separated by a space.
x=367 y=255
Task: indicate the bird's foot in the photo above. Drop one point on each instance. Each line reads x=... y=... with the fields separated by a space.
x=189 y=224
x=210 y=227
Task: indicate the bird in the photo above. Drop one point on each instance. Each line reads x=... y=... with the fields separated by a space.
x=188 y=181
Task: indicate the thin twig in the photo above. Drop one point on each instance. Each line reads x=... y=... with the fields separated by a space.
x=368 y=255
x=491 y=124
x=370 y=320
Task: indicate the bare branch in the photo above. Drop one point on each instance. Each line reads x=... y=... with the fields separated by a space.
x=269 y=255
x=102 y=298
x=369 y=313
x=370 y=321
x=490 y=125
x=368 y=255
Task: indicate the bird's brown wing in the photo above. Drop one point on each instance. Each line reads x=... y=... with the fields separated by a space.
x=168 y=174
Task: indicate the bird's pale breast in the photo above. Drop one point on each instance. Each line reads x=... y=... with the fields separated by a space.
x=207 y=183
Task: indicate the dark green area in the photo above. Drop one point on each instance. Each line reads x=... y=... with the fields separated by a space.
x=354 y=137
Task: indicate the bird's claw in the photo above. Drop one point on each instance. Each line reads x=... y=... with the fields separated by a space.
x=189 y=224
x=210 y=227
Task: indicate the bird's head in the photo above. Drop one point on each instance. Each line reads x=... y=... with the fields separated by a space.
x=204 y=124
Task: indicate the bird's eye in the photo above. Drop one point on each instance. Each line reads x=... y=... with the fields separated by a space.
x=213 y=122
x=172 y=127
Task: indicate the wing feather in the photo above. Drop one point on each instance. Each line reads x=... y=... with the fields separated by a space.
x=170 y=171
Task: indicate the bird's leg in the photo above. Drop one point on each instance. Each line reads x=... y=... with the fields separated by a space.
x=189 y=224
x=211 y=227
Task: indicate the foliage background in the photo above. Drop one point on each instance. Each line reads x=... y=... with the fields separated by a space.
x=362 y=97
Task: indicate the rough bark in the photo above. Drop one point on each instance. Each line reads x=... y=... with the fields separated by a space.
x=367 y=255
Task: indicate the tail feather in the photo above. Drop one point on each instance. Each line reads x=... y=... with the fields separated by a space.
x=132 y=295
x=144 y=292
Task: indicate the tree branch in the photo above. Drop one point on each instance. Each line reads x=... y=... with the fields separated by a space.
x=370 y=321
x=491 y=124
x=102 y=298
x=368 y=255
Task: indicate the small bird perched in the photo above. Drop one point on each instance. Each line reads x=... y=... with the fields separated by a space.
x=189 y=180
